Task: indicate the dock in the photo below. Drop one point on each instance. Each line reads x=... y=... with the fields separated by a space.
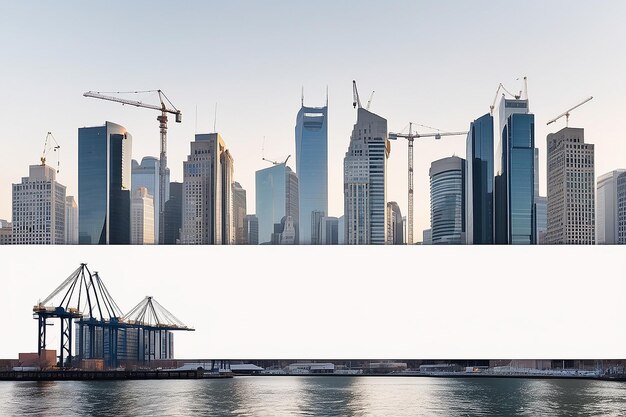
x=80 y=375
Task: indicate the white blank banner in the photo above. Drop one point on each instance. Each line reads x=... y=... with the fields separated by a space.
x=402 y=302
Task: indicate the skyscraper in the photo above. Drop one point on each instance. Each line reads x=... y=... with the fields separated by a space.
x=571 y=188
x=173 y=215
x=395 y=225
x=311 y=166
x=316 y=226
x=479 y=182
x=541 y=204
x=239 y=212
x=447 y=201
x=39 y=208
x=146 y=175
x=251 y=229
x=206 y=199
x=276 y=197
x=141 y=217
x=330 y=231
x=104 y=184
x=364 y=173
x=515 y=215
x=71 y=220
x=608 y=213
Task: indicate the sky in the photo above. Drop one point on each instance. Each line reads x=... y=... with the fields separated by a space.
x=433 y=63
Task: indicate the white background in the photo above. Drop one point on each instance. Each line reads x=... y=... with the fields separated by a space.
x=404 y=302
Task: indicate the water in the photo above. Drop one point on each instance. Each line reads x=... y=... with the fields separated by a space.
x=316 y=396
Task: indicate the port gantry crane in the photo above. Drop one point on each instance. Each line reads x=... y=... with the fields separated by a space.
x=567 y=112
x=164 y=109
x=411 y=137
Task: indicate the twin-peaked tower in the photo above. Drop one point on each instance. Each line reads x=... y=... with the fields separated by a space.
x=312 y=169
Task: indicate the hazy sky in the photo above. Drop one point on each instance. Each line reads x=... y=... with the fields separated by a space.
x=435 y=63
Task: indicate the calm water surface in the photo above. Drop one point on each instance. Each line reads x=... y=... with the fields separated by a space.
x=316 y=396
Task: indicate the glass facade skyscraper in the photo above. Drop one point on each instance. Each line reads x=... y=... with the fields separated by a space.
x=447 y=201
x=146 y=174
x=104 y=184
x=311 y=166
x=479 y=182
x=515 y=219
x=276 y=197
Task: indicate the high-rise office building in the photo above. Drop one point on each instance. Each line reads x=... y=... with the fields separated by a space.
x=207 y=192
x=146 y=175
x=104 y=184
x=364 y=179
x=542 y=219
x=395 y=225
x=607 y=213
x=341 y=227
x=514 y=194
x=316 y=226
x=621 y=209
x=276 y=197
x=447 y=201
x=6 y=232
x=311 y=167
x=479 y=182
x=71 y=220
x=239 y=212
x=427 y=237
x=39 y=208
x=173 y=215
x=251 y=229
x=141 y=217
x=330 y=231
x=571 y=188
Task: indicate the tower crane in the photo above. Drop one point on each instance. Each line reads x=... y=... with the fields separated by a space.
x=162 y=119
x=276 y=162
x=355 y=96
x=411 y=137
x=369 y=102
x=47 y=146
x=567 y=112
x=501 y=87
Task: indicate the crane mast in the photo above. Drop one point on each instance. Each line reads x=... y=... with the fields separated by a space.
x=162 y=119
x=410 y=137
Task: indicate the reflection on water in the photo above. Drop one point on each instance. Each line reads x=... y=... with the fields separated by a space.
x=316 y=396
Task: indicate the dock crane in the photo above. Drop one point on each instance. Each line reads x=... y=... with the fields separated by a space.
x=162 y=119
x=47 y=147
x=567 y=112
x=411 y=137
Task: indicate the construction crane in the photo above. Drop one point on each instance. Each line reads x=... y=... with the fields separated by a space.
x=501 y=87
x=355 y=96
x=411 y=137
x=369 y=102
x=276 y=162
x=567 y=112
x=162 y=119
x=47 y=147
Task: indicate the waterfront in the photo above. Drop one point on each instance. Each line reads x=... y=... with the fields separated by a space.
x=316 y=396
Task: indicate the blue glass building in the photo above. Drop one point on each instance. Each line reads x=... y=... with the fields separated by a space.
x=515 y=217
x=479 y=182
x=447 y=201
x=311 y=165
x=276 y=197
x=104 y=184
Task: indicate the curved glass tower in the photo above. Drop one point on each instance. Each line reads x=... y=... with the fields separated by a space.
x=311 y=166
x=447 y=200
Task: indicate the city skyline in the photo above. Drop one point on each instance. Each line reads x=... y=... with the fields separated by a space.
x=436 y=94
